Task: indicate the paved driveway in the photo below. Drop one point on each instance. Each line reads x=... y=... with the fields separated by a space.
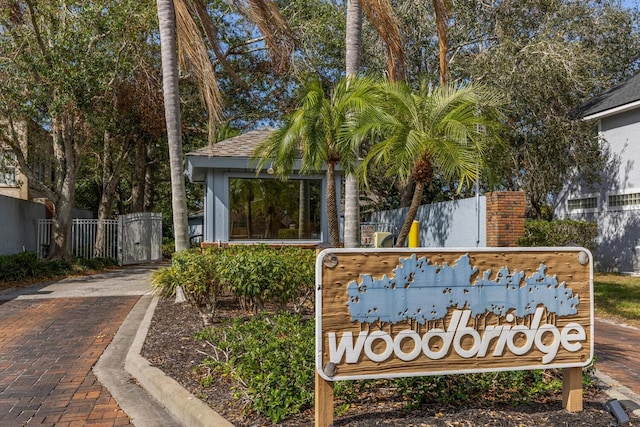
x=51 y=335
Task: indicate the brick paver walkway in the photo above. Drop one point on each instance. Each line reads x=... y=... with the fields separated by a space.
x=47 y=350
x=618 y=351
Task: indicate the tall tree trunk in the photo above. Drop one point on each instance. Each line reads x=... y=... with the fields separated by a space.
x=332 y=206
x=67 y=158
x=411 y=214
x=406 y=193
x=110 y=180
x=351 y=193
x=167 y=24
x=61 y=226
x=138 y=182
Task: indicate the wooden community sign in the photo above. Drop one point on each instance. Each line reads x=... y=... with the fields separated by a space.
x=384 y=313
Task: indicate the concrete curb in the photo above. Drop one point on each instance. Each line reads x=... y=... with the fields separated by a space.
x=185 y=407
x=615 y=390
x=142 y=410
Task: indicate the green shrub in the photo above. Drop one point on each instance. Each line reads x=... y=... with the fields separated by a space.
x=271 y=359
x=294 y=276
x=560 y=233
x=196 y=272
x=26 y=266
x=510 y=387
x=168 y=248
x=165 y=281
x=288 y=233
x=259 y=273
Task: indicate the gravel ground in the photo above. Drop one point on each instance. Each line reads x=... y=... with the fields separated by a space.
x=170 y=347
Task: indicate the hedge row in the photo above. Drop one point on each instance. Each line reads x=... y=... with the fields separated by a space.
x=256 y=274
x=560 y=233
x=25 y=266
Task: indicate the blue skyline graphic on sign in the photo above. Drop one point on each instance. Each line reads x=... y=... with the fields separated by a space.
x=421 y=291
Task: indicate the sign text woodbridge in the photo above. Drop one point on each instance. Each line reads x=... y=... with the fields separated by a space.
x=570 y=337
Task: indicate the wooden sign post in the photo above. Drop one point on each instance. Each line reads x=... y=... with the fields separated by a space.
x=387 y=313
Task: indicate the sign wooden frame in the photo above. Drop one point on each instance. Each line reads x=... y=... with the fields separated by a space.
x=343 y=271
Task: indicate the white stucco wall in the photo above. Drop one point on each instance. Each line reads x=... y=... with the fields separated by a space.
x=458 y=223
x=18 y=231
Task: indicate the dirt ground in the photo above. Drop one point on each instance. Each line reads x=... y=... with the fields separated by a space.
x=170 y=346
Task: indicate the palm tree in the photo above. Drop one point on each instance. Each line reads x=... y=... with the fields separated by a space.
x=318 y=133
x=442 y=11
x=168 y=46
x=381 y=16
x=446 y=131
x=352 y=62
x=176 y=22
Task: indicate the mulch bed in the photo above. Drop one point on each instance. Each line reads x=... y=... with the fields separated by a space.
x=170 y=346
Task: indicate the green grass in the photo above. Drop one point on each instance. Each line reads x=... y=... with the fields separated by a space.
x=617 y=297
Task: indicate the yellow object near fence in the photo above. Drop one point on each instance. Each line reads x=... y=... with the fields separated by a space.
x=414 y=235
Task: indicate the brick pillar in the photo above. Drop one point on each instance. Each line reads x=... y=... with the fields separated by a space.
x=505 y=218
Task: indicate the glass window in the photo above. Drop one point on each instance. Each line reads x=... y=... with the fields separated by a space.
x=617 y=200
x=585 y=203
x=269 y=209
x=7 y=168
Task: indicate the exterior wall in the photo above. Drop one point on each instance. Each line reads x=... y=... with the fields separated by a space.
x=19 y=190
x=19 y=231
x=505 y=218
x=196 y=228
x=37 y=145
x=16 y=192
x=494 y=220
x=618 y=226
x=618 y=234
x=459 y=223
x=622 y=135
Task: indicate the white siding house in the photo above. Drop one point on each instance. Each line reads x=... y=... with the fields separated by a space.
x=615 y=203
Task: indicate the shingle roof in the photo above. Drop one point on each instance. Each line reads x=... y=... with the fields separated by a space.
x=618 y=96
x=238 y=146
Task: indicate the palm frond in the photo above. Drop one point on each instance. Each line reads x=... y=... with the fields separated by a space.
x=194 y=57
x=380 y=13
x=277 y=34
x=210 y=30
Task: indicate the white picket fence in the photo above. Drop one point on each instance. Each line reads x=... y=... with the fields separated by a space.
x=83 y=238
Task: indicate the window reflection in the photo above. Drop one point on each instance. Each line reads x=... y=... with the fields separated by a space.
x=263 y=209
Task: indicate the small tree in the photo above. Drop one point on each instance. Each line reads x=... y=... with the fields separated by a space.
x=443 y=131
x=318 y=133
x=60 y=62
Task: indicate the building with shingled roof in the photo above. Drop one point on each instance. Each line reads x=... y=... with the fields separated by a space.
x=615 y=202
x=242 y=205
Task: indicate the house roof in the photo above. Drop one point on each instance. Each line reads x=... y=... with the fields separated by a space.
x=241 y=146
x=622 y=97
x=233 y=154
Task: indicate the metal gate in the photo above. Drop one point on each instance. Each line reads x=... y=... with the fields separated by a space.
x=139 y=238
x=83 y=238
x=131 y=239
